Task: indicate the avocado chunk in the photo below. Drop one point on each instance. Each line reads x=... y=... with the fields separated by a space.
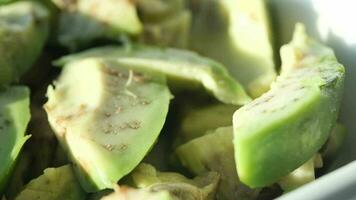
x=203 y=187
x=184 y=68
x=55 y=184
x=23 y=31
x=279 y=131
x=237 y=34
x=125 y=193
x=107 y=117
x=198 y=121
x=215 y=152
x=83 y=21
x=165 y=22
x=14 y=117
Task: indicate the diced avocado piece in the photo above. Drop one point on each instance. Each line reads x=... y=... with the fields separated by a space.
x=236 y=33
x=199 y=120
x=215 y=152
x=200 y=188
x=300 y=176
x=165 y=22
x=155 y=10
x=125 y=193
x=14 y=117
x=181 y=67
x=83 y=21
x=55 y=184
x=107 y=117
x=334 y=142
x=23 y=31
x=279 y=131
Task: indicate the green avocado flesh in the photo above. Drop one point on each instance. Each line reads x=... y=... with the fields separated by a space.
x=165 y=22
x=125 y=193
x=198 y=121
x=179 y=65
x=55 y=184
x=107 y=117
x=203 y=187
x=23 y=31
x=236 y=33
x=14 y=117
x=219 y=157
x=83 y=21
x=282 y=129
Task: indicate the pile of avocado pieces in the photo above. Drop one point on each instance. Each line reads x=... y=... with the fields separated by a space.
x=235 y=125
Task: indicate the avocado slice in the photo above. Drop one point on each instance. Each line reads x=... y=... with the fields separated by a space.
x=126 y=193
x=55 y=184
x=107 y=117
x=23 y=31
x=279 y=131
x=198 y=121
x=236 y=33
x=14 y=117
x=203 y=187
x=183 y=68
x=215 y=152
x=83 y=21
x=165 y=22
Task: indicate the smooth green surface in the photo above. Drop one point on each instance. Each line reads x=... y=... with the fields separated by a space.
x=215 y=152
x=291 y=122
x=23 y=31
x=55 y=184
x=200 y=188
x=107 y=117
x=180 y=66
x=237 y=34
x=14 y=117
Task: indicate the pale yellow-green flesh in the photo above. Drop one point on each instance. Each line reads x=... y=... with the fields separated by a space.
x=55 y=184
x=107 y=117
x=178 y=65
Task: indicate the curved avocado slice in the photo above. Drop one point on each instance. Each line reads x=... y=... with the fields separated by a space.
x=82 y=21
x=180 y=66
x=24 y=28
x=107 y=117
x=203 y=187
x=219 y=157
x=55 y=184
x=237 y=34
x=14 y=117
x=125 y=193
x=285 y=127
